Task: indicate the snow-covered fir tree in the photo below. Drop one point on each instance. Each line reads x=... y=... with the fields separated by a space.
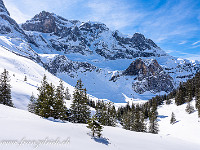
x=189 y=108
x=173 y=119
x=32 y=104
x=67 y=94
x=138 y=124
x=106 y=113
x=50 y=102
x=5 y=89
x=95 y=126
x=59 y=107
x=153 y=125
x=80 y=111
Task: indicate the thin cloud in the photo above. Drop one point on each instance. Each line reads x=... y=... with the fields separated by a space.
x=196 y=46
x=16 y=13
x=183 y=42
x=115 y=14
x=195 y=43
x=192 y=57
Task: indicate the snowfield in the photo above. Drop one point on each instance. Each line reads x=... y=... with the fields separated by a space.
x=22 y=126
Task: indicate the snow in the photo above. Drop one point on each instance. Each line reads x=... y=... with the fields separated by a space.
x=187 y=126
x=22 y=126
x=19 y=124
x=18 y=68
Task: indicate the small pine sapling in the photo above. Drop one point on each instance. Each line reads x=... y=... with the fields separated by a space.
x=173 y=119
x=95 y=127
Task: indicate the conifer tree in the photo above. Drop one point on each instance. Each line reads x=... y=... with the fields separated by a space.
x=5 y=89
x=138 y=124
x=42 y=96
x=168 y=101
x=173 y=119
x=67 y=94
x=79 y=108
x=153 y=127
x=111 y=115
x=198 y=106
x=127 y=120
x=32 y=104
x=106 y=113
x=25 y=78
x=189 y=108
x=180 y=95
x=95 y=127
x=101 y=112
x=48 y=104
x=59 y=105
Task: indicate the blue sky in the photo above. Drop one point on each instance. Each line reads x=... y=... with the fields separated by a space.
x=174 y=25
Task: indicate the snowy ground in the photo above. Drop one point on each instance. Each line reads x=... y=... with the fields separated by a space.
x=187 y=126
x=22 y=126
x=18 y=68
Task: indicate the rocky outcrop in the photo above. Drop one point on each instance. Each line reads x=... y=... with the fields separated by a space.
x=147 y=75
x=61 y=64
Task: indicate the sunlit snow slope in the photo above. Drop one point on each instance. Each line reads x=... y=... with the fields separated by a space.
x=21 y=125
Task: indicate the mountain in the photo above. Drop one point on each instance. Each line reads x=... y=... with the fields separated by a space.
x=105 y=60
x=86 y=38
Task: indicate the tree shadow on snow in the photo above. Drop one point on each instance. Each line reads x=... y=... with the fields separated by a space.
x=101 y=140
x=55 y=120
x=162 y=116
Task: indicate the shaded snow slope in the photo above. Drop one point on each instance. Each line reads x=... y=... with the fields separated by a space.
x=19 y=124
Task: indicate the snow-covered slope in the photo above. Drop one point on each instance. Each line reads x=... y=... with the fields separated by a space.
x=18 y=68
x=187 y=126
x=22 y=126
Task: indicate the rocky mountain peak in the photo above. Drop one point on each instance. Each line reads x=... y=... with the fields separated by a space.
x=47 y=22
x=135 y=67
x=93 y=26
x=148 y=75
x=138 y=36
x=3 y=8
x=43 y=22
x=142 y=43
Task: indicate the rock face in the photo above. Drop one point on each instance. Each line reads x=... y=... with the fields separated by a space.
x=7 y=24
x=72 y=36
x=148 y=75
x=61 y=64
x=3 y=8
